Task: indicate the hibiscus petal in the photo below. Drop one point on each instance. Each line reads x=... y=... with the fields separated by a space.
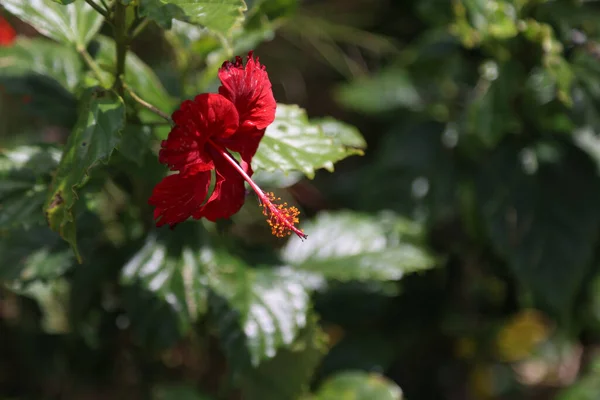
x=208 y=115
x=245 y=142
x=178 y=196
x=229 y=193
x=249 y=88
x=184 y=152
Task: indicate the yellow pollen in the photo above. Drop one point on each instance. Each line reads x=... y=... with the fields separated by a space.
x=281 y=217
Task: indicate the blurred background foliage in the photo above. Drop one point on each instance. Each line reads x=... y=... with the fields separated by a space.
x=457 y=259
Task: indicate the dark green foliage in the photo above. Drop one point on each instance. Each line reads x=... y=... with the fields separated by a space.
x=453 y=217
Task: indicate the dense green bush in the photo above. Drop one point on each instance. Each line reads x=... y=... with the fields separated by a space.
x=455 y=257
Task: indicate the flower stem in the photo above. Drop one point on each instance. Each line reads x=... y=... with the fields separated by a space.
x=264 y=199
x=152 y=123
x=122 y=42
x=147 y=105
x=92 y=64
x=138 y=29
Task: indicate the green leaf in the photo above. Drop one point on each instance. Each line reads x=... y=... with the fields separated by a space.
x=350 y=246
x=214 y=51
x=178 y=392
x=135 y=143
x=63 y=2
x=53 y=299
x=489 y=114
x=370 y=350
x=588 y=73
x=88 y=283
x=95 y=135
x=24 y=177
x=292 y=143
x=33 y=254
x=480 y=21
x=587 y=140
x=354 y=385
x=43 y=75
x=74 y=24
x=219 y=16
x=342 y=133
x=269 y=305
x=41 y=57
x=168 y=268
x=272 y=9
x=138 y=76
x=540 y=208
x=386 y=91
x=277 y=179
x=287 y=376
x=498 y=21
x=417 y=161
x=41 y=99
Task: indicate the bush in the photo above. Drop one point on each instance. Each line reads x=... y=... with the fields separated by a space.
x=454 y=258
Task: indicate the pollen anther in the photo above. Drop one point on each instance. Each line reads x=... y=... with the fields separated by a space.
x=281 y=217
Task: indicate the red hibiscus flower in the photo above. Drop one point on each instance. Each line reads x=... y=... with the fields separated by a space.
x=206 y=130
x=7 y=33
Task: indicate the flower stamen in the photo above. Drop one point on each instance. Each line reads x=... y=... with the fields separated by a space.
x=281 y=218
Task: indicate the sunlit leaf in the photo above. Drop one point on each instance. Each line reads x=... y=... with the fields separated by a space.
x=277 y=179
x=41 y=57
x=268 y=305
x=292 y=143
x=342 y=133
x=169 y=274
x=24 y=178
x=219 y=16
x=75 y=24
x=53 y=299
x=350 y=246
x=353 y=385
x=496 y=18
x=287 y=376
x=33 y=254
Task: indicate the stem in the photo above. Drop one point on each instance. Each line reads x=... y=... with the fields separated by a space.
x=98 y=9
x=92 y=64
x=234 y=164
x=122 y=41
x=105 y=5
x=147 y=105
x=153 y=123
x=264 y=199
x=138 y=29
